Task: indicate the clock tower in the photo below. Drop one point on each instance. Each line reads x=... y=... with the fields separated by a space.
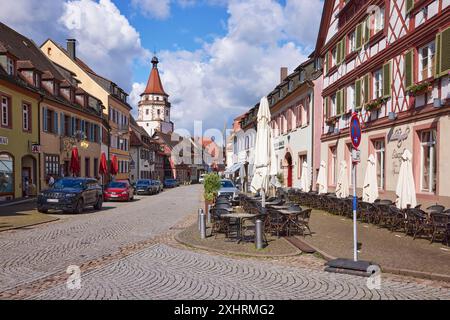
x=154 y=107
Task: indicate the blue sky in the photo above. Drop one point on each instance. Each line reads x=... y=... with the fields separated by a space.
x=217 y=57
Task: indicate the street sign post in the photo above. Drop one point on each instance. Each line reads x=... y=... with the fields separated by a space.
x=355 y=135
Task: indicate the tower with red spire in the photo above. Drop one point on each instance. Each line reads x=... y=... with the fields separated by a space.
x=154 y=107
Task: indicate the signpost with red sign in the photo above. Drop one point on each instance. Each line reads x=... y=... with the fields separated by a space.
x=355 y=135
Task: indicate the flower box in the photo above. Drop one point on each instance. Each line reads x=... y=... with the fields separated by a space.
x=420 y=88
x=331 y=121
x=374 y=104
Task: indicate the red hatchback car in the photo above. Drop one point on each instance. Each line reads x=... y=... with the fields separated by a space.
x=119 y=190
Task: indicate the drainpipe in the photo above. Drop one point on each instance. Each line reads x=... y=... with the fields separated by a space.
x=38 y=169
x=312 y=135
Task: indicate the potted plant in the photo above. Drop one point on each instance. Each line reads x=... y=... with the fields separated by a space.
x=420 y=88
x=280 y=178
x=211 y=187
x=331 y=121
x=374 y=104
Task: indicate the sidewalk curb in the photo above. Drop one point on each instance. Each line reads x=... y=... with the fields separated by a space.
x=11 y=204
x=30 y=225
x=248 y=255
x=395 y=271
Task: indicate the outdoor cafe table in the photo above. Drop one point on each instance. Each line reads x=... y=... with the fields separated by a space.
x=290 y=218
x=239 y=217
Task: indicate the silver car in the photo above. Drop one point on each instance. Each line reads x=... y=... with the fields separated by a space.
x=228 y=189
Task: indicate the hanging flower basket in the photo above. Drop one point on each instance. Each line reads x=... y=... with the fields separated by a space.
x=420 y=88
x=374 y=104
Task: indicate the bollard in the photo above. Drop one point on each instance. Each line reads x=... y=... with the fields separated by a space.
x=259 y=235
x=200 y=211
x=209 y=214
x=203 y=225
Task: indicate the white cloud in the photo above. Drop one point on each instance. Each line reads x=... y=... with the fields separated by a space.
x=106 y=40
x=135 y=96
x=229 y=74
x=159 y=9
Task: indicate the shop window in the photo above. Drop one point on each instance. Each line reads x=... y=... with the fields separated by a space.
x=333 y=165
x=428 y=161
x=6 y=174
x=87 y=167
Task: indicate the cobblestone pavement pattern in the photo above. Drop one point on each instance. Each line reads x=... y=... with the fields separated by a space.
x=129 y=252
x=163 y=272
x=28 y=255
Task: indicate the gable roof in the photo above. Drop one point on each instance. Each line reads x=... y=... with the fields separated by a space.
x=26 y=51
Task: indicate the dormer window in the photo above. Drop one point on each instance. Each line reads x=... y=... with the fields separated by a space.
x=10 y=67
x=290 y=85
x=37 y=80
x=302 y=76
x=56 y=89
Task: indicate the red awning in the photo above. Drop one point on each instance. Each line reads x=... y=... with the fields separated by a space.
x=103 y=169
x=75 y=162
x=114 y=166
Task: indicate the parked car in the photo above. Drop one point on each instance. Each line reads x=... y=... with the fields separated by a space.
x=202 y=178
x=228 y=189
x=159 y=186
x=71 y=195
x=120 y=190
x=145 y=186
x=170 y=183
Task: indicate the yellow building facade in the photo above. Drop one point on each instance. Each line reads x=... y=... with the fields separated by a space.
x=19 y=140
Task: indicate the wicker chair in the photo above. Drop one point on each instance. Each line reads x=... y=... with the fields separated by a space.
x=248 y=228
x=418 y=220
x=397 y=219
x=437 y=208
x=440 y=227
x=275 y=222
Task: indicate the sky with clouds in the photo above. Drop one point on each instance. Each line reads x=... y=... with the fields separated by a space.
x=217 y=57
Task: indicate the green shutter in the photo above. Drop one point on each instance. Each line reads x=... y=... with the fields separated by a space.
x=358 y=94
x=409 y=6
x=443 y=53
x=437 y=56
x=325 y=66
x=342 y=49
x=327 y=113
x=358 y=36
x=409 y=69
x=45 y=123
x=344 y=100
x=366 y=31
x=387 y=79
x=367 y=88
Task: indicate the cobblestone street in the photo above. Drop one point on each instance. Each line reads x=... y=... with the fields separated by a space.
x=125 y=252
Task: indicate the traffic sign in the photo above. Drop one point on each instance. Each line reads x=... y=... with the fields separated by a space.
x=355 y=131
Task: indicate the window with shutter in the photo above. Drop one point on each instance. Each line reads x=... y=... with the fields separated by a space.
x=366 y=88
x=443 y=53
x=366 y=31
x=62 y=128
x=387 y=79
x=358 y=94
x=327 y=107
x=45 y=124
x=359 y=36
x=325 y=67
x=55 y=123
x=338 y=53
x=338 y=102
x=409 y=69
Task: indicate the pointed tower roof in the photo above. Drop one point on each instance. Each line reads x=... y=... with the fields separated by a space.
x=154 y=85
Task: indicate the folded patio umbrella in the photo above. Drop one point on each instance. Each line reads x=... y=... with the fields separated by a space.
x=322 y=182
x=265 y=160
x=114 y=166
x=103 y=169
x=305 y=183
x=370 y=188
x=406 y=188
x=75 y=162
x=342 y=183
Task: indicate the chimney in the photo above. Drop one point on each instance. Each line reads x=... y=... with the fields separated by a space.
x=283 y=74
x=71 y=48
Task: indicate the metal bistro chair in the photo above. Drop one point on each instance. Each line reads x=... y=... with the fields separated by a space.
x=437 y=208
x=440 y=227
x=418 y=223
x=275 y=222
x=398 y=219
x=299 y=222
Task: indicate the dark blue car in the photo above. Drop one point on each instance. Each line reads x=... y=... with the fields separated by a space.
x=170 y=183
